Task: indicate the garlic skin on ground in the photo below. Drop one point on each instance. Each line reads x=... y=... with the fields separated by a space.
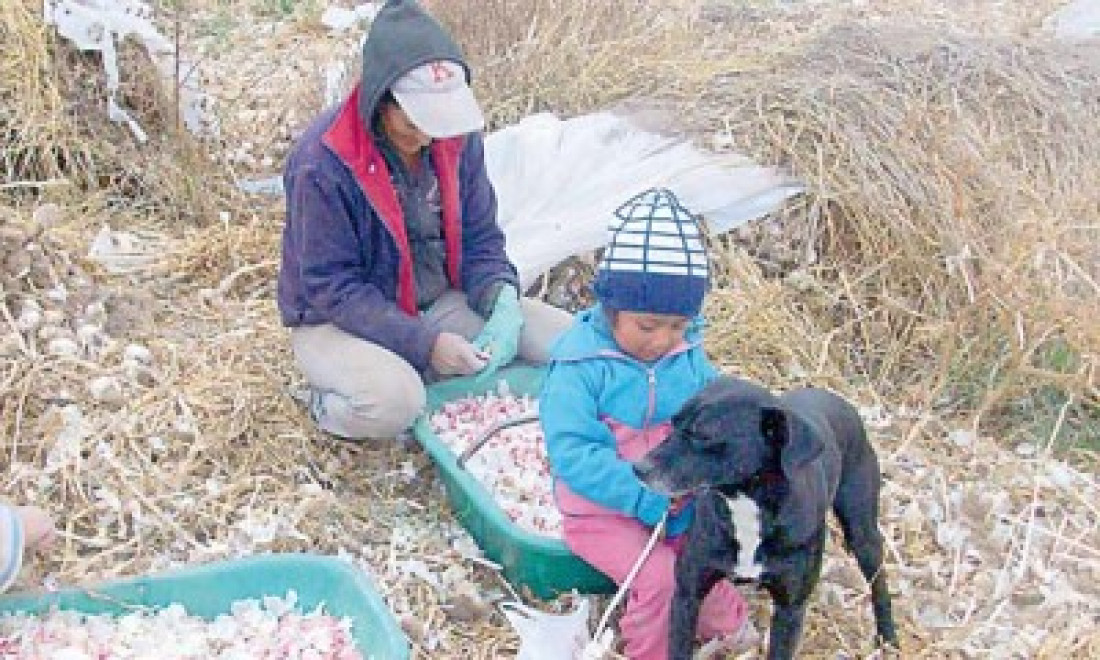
x=30 y=317
x=106 y=389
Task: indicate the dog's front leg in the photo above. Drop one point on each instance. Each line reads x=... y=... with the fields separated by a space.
x=786 y=630
x=790 y=584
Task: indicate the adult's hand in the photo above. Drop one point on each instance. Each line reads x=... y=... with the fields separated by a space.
x=500 y=336
x=452 y=355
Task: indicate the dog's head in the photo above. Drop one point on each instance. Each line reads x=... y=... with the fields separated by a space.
x=732 y=432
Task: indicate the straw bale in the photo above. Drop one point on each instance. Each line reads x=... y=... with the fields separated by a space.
x=57 y=138
x=952 y=214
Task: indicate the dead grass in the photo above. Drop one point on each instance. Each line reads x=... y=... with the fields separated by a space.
x=55 y=135
x=952 y=216
x=572 y=56
x=942 y=274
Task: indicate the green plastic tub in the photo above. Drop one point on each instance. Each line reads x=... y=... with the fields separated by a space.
x=542 y=563
x=208 y=590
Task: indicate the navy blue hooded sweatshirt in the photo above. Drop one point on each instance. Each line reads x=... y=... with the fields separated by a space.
x=345 y=252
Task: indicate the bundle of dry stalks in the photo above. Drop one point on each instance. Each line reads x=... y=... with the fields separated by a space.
x=55 y=133
x=952 y=216
x=40 y=143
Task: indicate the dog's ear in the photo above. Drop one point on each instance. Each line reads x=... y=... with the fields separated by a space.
x=808 y=498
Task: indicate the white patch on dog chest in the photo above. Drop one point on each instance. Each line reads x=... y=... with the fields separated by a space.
x=745 y=516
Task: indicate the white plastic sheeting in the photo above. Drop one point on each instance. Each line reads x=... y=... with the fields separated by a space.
x=1079 y=19
x=100 y=25
x=559 y=181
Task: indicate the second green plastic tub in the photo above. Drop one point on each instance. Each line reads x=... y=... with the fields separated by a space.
x=208 y=590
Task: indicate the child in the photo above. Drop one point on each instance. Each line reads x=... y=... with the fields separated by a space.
x=21 y=527
x=616 y=378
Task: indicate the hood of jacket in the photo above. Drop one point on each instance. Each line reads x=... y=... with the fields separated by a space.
x=402 y=36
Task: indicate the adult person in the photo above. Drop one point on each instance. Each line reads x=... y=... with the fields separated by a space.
x=394 y=271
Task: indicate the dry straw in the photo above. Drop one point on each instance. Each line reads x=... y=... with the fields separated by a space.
x=992 y=553
x=55 y=139
x=952 y=209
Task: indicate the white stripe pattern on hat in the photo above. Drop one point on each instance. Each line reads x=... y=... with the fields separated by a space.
x=654 y=234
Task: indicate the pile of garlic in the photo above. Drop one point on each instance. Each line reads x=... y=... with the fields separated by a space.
x=270 y=627
x=55 y=309
x=512 y=465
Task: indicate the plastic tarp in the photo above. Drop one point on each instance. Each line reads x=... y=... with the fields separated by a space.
x=559 y=181
x=1079 y=19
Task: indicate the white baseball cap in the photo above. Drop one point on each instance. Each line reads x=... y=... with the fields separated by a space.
x=437 y=99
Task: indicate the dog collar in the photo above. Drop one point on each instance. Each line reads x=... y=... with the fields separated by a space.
x=760 y=480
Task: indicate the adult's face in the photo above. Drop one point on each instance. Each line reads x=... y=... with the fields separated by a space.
x=401 y=132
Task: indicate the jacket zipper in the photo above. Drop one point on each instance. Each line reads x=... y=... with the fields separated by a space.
x=651 y=399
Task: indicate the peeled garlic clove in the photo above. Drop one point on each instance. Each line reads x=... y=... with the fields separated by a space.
x=29 y=319
x=106 y=389
x=138 y=354
x=62 y=346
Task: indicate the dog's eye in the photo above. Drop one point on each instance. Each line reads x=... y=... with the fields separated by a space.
x=706 y=444
x=715 y=448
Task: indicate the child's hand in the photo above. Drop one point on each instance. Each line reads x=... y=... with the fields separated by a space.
x=680 y=516
x=38 y=527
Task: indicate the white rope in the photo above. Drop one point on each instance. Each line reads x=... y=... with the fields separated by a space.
x=602 y=638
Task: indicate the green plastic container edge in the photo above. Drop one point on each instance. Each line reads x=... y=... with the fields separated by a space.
x=543 y=564
x=209 y=590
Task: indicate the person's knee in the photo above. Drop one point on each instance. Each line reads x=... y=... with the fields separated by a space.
x=372 y=414
x=399 y=411
x=542 y=325
x=654 y=595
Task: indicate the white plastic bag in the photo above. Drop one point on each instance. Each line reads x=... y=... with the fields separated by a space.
x=546 y=636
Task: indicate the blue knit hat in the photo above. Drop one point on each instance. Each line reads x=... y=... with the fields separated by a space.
x=655 y=261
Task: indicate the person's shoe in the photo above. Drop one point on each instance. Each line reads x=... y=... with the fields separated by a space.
x=300 y=392
x=744 y=639
x=313 y=401
x=406 y=441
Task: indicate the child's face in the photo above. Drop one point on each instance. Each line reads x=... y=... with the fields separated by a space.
x=648 y=337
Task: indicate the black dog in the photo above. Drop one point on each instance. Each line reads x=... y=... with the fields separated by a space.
x=765 y=470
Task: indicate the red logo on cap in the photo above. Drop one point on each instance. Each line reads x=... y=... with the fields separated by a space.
x=440 y=72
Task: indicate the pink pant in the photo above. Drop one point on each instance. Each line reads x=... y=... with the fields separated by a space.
x=612 y=544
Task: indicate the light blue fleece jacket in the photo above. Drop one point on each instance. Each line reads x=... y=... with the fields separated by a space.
x=601 y=409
